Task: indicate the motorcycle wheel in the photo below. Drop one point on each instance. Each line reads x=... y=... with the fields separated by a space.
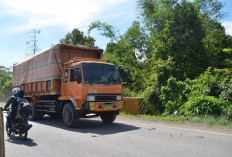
x=23 y=136
x=8 y=129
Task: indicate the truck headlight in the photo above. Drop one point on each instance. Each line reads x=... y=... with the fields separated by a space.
x=90 y=98
x=119 y=97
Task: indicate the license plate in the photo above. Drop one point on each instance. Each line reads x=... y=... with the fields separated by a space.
x=107 y=108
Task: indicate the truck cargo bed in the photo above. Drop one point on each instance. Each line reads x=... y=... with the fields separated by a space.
x=41 y=74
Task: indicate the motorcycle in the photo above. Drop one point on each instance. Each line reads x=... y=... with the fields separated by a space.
x=20 y=124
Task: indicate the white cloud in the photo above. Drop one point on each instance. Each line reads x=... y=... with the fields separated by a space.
x=228 y=27
x=67 y=14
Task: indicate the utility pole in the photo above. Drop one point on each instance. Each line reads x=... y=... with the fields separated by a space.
x=2 y=144
x=32 y=44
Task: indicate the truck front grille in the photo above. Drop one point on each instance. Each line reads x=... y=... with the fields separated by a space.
x=100 y=98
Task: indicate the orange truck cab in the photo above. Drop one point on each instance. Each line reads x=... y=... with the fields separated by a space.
x=70 y=81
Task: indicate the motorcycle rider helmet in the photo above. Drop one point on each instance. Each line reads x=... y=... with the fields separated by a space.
x=15 y=91
x=21 y=94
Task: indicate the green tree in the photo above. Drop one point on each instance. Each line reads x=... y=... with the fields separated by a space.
x=105 y=30
x=5 y=83
x=128 y=53
x=210 y=9
x=76 y=37
x=176 y=31
x=182 y=40
x=215 y=41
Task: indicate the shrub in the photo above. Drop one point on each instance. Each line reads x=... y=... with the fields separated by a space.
x=5 y=83
x=173 y=95
x=152 y=103
x=218 y=82
x=205 y=105
x=227 y=110
x=210 y=93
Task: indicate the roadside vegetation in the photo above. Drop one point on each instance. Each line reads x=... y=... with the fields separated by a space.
x=176 y=55
x=5 y=83
x=179 y=58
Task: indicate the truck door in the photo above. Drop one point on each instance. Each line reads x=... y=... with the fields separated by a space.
x=65 y=83
x=75 y=84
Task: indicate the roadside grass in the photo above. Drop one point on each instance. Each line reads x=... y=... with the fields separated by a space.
x=205 y=120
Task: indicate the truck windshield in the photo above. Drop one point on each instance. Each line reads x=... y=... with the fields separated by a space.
x=96 y=73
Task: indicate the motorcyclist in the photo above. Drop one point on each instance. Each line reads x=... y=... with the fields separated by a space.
x=14 y=105
x=21 y=101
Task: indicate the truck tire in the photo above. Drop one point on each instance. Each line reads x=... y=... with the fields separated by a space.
x=35 y=115
x=108 y=117
x=70 y=115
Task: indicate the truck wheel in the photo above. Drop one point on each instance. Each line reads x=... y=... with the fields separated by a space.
x=35 y=115
x=70 y=115
x=108 y=117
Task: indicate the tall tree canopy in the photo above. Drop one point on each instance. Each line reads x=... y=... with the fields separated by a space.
x=106 y=30
x=76 y=37
x=181 y=39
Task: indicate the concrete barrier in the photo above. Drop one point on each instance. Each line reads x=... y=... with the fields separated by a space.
x=2 y=144
x=133 y=105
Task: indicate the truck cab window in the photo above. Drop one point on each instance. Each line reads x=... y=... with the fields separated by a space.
x=66 y=75
x=75 y=75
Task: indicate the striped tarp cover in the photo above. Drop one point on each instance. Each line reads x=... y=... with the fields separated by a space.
x=43 y=66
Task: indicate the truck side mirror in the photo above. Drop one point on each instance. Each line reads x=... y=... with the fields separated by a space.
x=65 y=79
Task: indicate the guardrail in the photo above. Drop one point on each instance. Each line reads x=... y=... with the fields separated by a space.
x=133 y=105
x=2 y=144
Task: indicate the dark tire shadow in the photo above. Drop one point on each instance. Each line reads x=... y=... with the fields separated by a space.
x=16 y=140
x=94 y=126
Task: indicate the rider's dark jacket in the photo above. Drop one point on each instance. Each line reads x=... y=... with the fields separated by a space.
x=13 y=101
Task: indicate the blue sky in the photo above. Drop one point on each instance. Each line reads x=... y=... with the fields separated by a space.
x=55 y=18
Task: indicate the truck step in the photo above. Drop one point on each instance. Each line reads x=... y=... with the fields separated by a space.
x=46 y=101
x=50 y=106
x=46 y=111
x=90 y=116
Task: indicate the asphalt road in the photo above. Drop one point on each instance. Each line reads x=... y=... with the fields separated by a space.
x=126 y=137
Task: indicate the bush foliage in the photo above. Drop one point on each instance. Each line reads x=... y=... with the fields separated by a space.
x=5 y=83
x=209 y=94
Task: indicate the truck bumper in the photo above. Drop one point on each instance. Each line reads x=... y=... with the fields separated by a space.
x=105 y=106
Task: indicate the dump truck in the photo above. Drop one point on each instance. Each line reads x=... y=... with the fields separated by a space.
x=71 y=82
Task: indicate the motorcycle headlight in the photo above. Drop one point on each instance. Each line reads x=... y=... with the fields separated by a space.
x=90 y=98
x=119 y=97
